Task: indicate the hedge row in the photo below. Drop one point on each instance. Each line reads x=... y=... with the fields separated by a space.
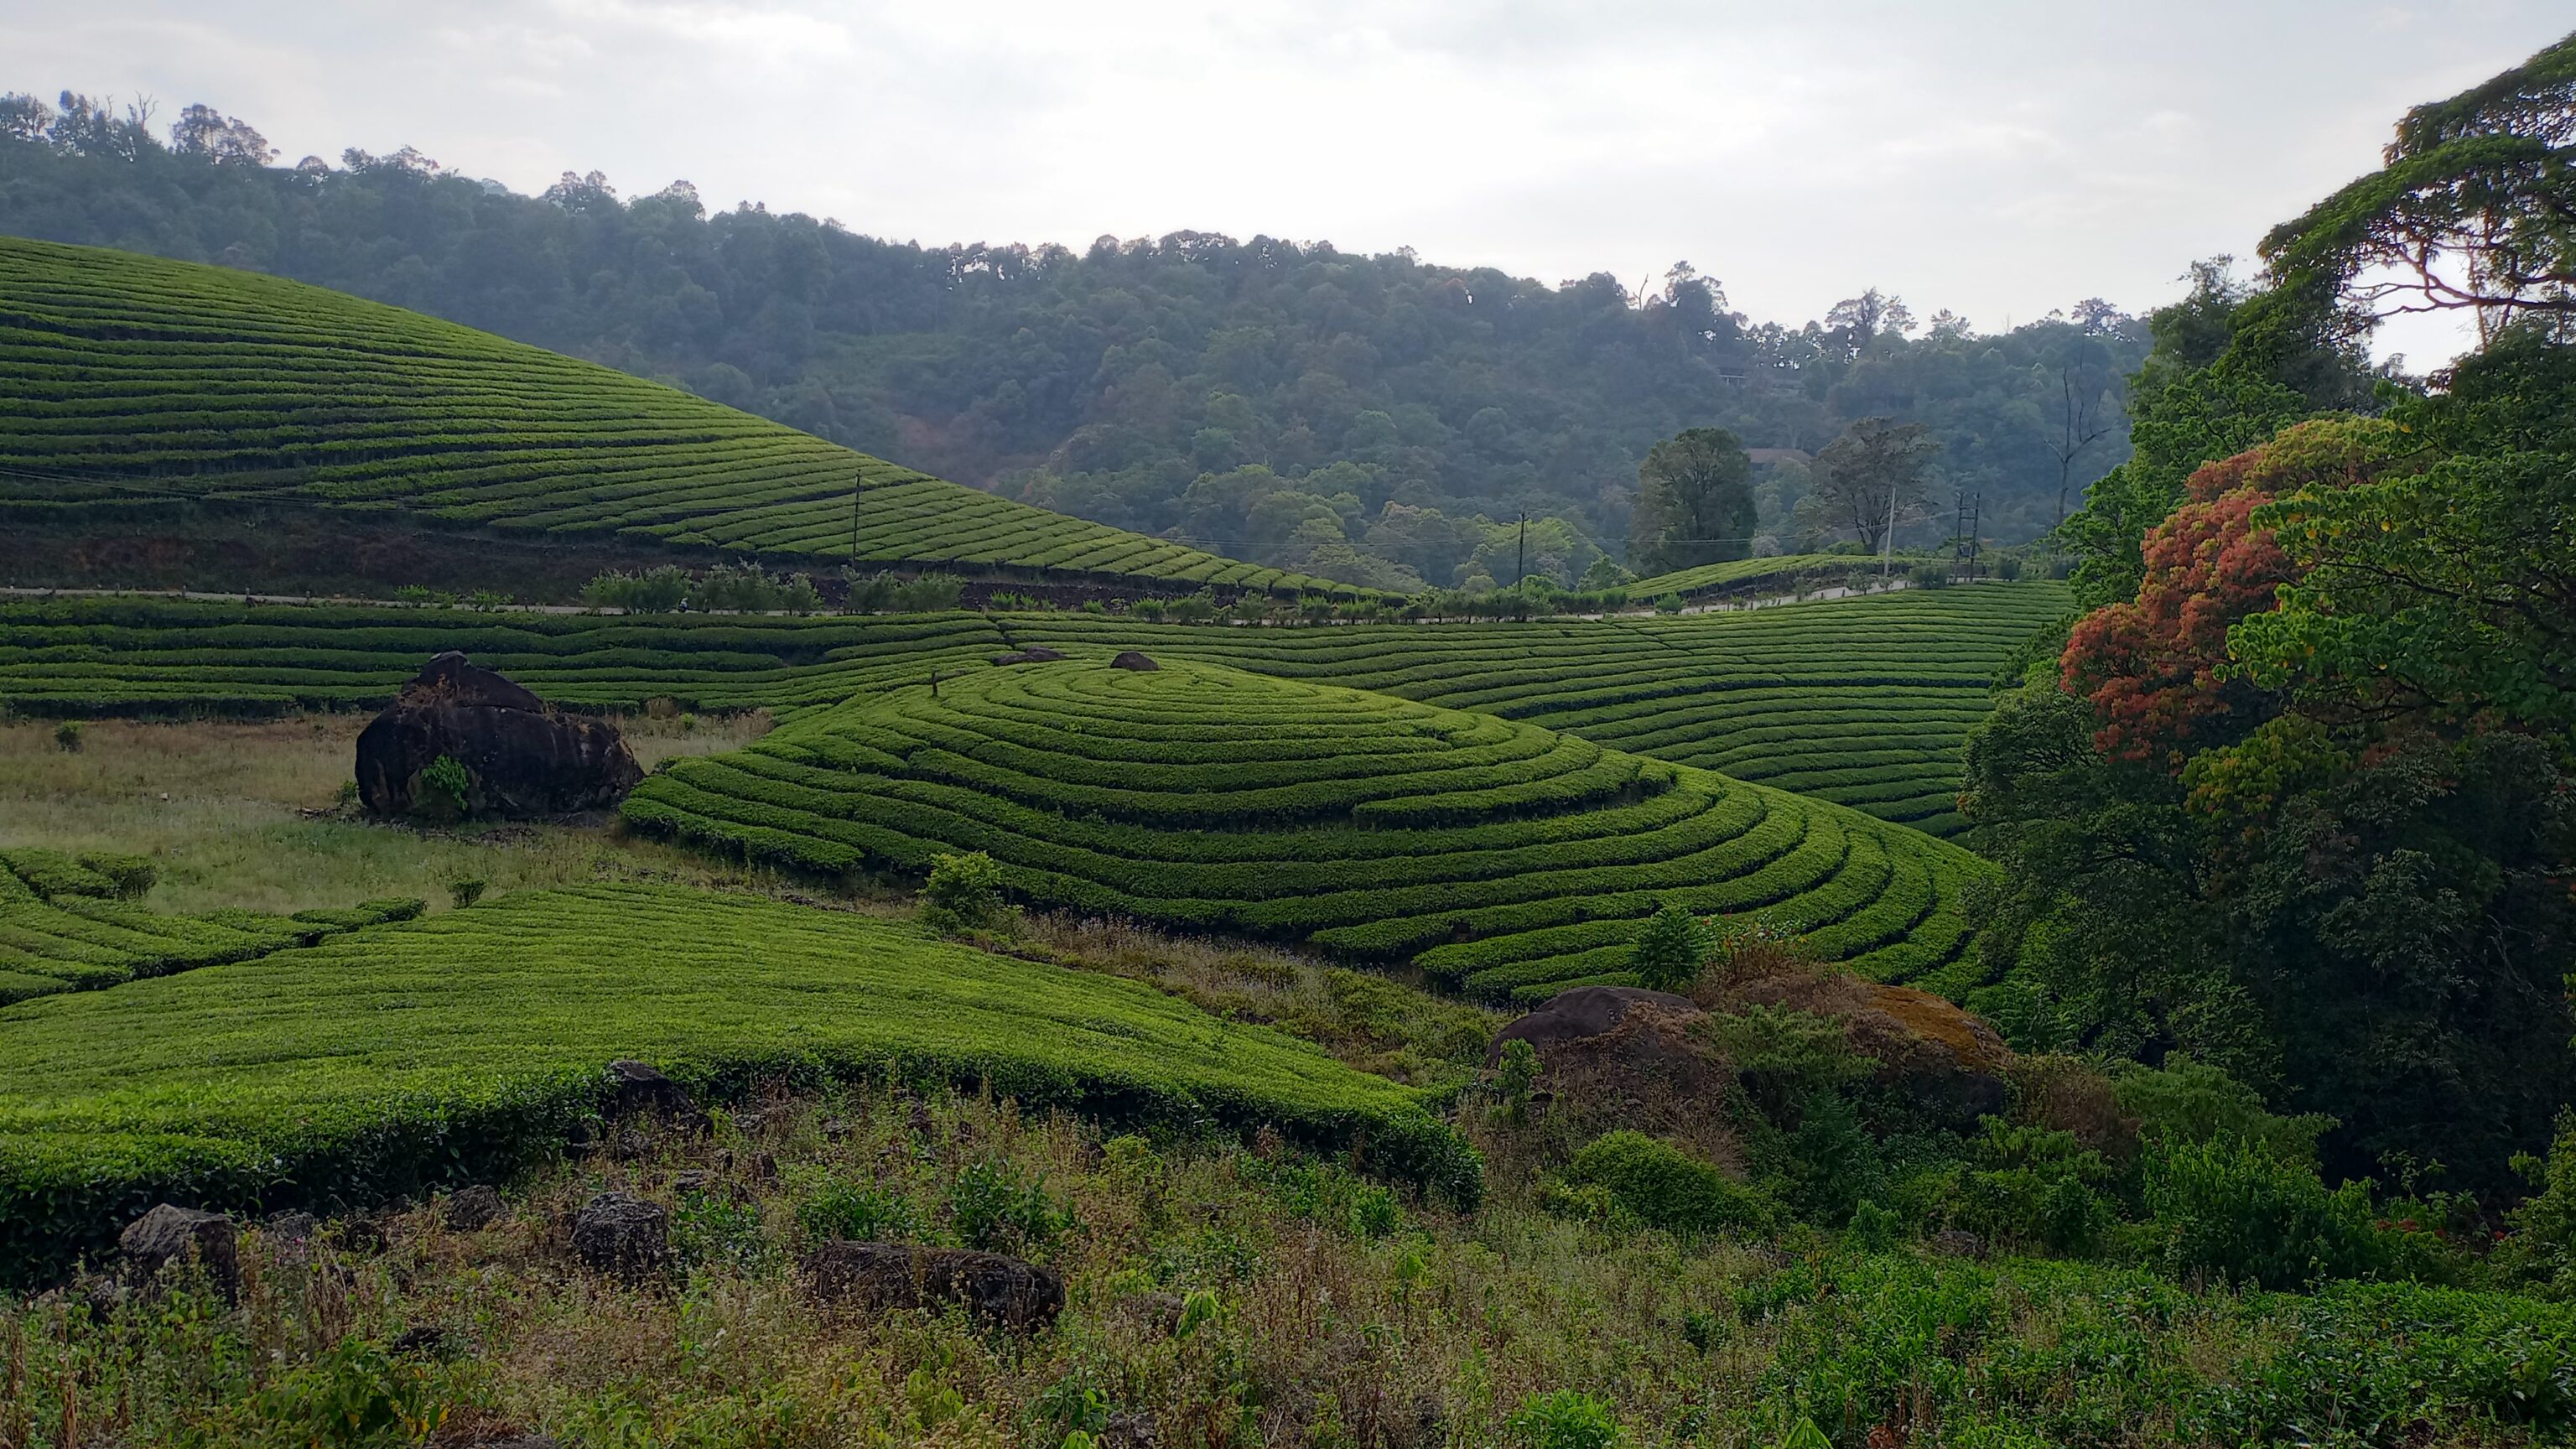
x=70 y=924
x=1206 y=798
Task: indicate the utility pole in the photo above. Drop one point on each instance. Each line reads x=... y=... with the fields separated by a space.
x=857 y=480
x=1887 y=541
x=1976 y=518
x=1520 y=566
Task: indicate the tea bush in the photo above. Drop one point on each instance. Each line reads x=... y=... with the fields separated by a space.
x=298 y=396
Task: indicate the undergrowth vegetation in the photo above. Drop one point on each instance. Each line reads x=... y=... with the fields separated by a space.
x=1219 y=1294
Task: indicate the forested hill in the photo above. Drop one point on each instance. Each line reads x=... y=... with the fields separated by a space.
x=1376 y=418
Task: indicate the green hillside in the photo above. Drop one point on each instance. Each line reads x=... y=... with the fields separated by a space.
x=1860 y=701
x=125 y=377
x=69 y=923
x=1496 y=854
x=1865 y=702
x=468 y=1041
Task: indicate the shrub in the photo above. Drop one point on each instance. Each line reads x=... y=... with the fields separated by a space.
x=836 y=1208
x=1671 y=950
x=2035 y=1188
x=67 y=737
x=2008 y=567
x=1149 y=610
x=964 y=893
x=2236 y=1210
x=2541 y=1252
x=465 y=892
x=446 y=790
x=655 y=591
x=2190 y=1101
x=1663 y=1186
x=1929 y=575
x=994 y=1208
x=132 y=875
x=1566 y=1419
x=1515 y=1077
x=1668 y=604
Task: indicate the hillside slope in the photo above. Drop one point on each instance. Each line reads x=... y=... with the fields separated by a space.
x=125 y=378
x=1865 y=702
x=399 y=1056
x=1503 y=856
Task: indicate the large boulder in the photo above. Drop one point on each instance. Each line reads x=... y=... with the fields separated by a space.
x=998 y=1290
x=1621 y=1056
x=1944 y=1059
x=522 y=757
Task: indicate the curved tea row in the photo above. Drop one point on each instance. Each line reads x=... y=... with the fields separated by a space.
x=125 y=377
x=1509 y=859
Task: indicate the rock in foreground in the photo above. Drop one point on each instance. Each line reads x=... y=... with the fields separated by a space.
x=522 y=757
x=997 y=1289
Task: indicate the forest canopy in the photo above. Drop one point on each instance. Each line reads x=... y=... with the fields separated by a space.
x=1381 y=419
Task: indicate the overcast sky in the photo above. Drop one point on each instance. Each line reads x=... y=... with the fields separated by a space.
x=1993 y=157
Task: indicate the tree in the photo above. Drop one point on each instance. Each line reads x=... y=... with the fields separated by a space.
x=2086 y=410
x=2475 y=208
x=1694 y=502
x=1870 y=475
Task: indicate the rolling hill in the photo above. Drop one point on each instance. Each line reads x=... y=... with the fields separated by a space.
x=1863 y=702
x=1507 y=858
x=127 y=380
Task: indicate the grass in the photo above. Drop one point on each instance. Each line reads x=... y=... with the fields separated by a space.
x=1503 y=856
x=1318 y=1312
x=249 y=815
x=127 y=378
x=473 y=1040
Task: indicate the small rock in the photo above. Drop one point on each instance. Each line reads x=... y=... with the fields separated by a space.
x=1130 y=659
x=421 y=1340
x=995 y=1288
x=472 y=1209
x=686 y=1183
x=764 y=1166
x=636 y=1088
x=834 y=1129
x=167 y=1234
x=292 y=1227
x=1160 y=1312
x=1131 y=1429
x=624 y=1237
x=1958 y=1243
x=361 y=1236
x=922 y=1121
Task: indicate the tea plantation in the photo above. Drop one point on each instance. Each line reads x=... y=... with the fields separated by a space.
x=1510 y=859
x=125 y=377
x=1863 y=702
x=68 y=924
x=467 y=1043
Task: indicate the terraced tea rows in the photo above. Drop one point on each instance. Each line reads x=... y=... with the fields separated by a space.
x=1860 y=701
x=125 y=376
x=462 y=1046
x=1508 y=858
x=68 y=924
x=1747 y=575
x=95 y=656
x=1865 y=702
